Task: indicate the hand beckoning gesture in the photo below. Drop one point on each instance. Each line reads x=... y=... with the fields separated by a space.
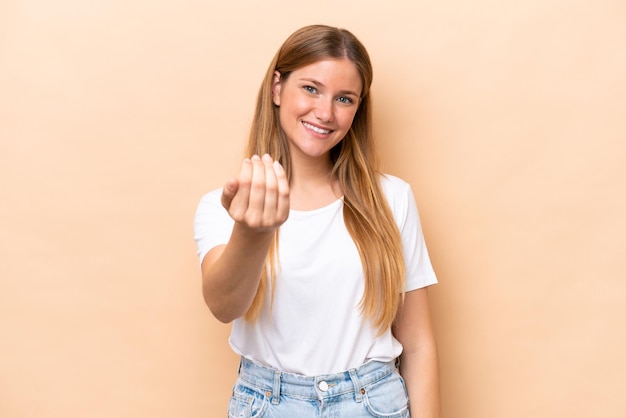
x=259 y=197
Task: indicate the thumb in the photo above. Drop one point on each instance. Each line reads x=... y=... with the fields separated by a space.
x=229 y=191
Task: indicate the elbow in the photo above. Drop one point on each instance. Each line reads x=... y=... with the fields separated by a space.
x=223 y=317
x=221 y=311
x=224 y=303
x=426 y=350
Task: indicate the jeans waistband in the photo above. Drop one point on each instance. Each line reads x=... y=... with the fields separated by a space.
x=274 y=382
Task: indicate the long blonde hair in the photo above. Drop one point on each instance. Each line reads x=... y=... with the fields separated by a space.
x=367 y=215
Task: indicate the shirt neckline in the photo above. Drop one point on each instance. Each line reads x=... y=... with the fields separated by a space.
x=328 y=207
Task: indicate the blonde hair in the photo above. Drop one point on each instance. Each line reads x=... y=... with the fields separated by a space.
x=367 y=215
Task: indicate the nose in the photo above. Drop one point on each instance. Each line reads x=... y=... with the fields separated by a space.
x=324 y=110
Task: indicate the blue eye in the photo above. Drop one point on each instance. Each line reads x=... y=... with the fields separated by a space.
x=310 y=89
x=345 y=100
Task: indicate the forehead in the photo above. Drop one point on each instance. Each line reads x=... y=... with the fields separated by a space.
x=340 y=74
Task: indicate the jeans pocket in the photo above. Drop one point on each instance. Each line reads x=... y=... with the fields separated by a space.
x=246 y=402
x=387 y=398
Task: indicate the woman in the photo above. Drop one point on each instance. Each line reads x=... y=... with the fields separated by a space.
x=316 y=256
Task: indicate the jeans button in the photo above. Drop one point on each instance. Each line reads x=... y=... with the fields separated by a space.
x=323 y=386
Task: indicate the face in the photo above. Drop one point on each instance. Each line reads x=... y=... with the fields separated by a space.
x=317 y=104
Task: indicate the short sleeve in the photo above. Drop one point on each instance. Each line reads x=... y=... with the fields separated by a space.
x=212 y=223
x=419 y=270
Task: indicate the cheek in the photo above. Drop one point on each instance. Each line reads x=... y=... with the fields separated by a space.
x=288 y=116
x=293 y=108
x=347 y=118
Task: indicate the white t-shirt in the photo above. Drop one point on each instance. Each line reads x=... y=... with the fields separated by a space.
x=315 y=325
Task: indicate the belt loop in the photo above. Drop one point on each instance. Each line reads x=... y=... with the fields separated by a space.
x=358 y=395
x=276 y=391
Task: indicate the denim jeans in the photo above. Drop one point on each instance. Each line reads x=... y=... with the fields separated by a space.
x=373 y=390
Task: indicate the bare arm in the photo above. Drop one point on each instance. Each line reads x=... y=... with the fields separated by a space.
x=258 y=201
x=419 y=361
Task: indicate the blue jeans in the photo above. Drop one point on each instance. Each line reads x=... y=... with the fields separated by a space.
x=373 y=390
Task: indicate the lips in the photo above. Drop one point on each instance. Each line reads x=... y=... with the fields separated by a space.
x=317 y=129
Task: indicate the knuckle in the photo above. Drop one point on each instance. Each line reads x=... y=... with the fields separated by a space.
x=272 y=188
x=236 y=215
x=244 y=182
x=258 y=183
x=254 y=221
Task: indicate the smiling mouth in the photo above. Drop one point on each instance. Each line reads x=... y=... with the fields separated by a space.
x=316 y=129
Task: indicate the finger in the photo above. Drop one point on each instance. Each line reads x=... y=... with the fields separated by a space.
x=271 y=191
x=256 y=202
x=239 y=203
x=229 y=191
x=282 y=205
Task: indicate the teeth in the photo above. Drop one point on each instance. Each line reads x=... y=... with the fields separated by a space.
x=316 y=129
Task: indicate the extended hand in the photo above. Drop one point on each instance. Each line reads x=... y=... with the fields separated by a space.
x=259 y=197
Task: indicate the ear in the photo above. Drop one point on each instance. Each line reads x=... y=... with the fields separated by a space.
x=276 y=88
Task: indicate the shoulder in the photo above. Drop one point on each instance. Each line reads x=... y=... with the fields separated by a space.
x=210 y=199
x=210 y=205
x=399 y=196
x=392 y=181
x=212 y=224
x=394 y=187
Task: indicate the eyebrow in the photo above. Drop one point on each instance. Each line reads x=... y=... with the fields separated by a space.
x=319 y=84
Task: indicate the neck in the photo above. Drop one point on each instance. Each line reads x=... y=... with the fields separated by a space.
x=310 y=171
x=311 y=185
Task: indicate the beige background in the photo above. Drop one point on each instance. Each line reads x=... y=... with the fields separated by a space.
x=508 y=118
